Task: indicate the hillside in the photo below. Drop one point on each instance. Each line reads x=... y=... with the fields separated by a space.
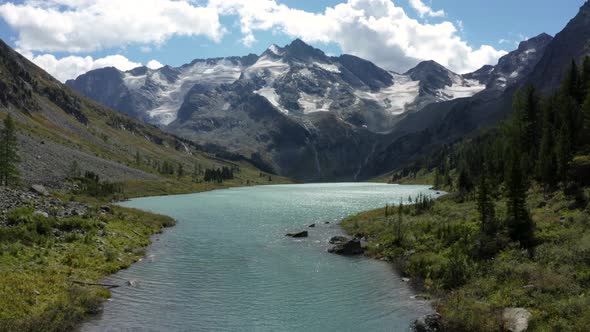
x=58 y=127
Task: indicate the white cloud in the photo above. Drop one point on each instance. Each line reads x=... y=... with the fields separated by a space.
x=424 y=10
x=77 y=26
x=376 y=30
x=154 y=64
x=73 y=66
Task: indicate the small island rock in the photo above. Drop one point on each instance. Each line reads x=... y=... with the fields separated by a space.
x=300 y=234
x=338 y=239
x=350 y=248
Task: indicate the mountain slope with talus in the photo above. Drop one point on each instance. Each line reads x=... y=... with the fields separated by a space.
x=57 y=126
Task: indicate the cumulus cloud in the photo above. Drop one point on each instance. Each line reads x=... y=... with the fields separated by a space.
x=424 y=10
x=73 y=66
x=154 y=64
x=77 y=26
x=377 y=30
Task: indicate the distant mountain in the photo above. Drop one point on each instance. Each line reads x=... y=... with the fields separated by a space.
x=312 y=116
x=57 y=126
x=297 y=79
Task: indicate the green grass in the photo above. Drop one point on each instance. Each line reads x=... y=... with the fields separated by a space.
x=41 y=257
x=438 y=251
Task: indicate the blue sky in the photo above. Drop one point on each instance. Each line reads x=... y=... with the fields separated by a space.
x=37 y=29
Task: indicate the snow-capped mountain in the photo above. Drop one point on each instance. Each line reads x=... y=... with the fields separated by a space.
x=308 y=115
x=296 y=79
x=156 y=95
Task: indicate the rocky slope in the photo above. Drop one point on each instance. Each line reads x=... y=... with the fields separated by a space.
x=56 y=126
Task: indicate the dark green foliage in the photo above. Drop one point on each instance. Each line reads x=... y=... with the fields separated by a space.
x=180 y=170
x=167 y=168
x=9 y=158
x=91 y=185
x=518 y=220
x=219 y=175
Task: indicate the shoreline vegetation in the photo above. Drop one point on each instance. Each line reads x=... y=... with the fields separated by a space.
x=509 y=248
x=51 y=265
x=472 y=294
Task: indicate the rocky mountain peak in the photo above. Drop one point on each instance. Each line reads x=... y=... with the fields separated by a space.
x=536 y=42
x=299 y=50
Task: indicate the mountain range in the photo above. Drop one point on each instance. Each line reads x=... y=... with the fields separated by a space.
x=315 y=117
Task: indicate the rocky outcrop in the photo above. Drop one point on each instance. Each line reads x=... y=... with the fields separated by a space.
x=43 y=205
x=350 y=248
x=299 y=234
x=338 y=239
x=516 y=319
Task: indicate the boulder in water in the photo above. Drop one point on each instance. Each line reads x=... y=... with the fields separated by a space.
x=338 y=239
x=300 y=234
x=350 y=248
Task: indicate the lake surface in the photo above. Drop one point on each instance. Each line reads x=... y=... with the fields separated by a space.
x=227 y=265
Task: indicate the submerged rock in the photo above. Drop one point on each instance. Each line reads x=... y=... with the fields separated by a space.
x=300 y=234
x=516 y=319
x=338 y=239
x=350 y=248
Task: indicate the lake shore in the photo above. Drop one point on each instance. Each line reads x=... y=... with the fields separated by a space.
x=48 y=262
x=322 y=230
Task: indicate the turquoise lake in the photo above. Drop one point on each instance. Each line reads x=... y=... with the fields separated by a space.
x=227 y=265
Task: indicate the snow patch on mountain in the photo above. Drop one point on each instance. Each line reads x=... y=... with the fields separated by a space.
x=461 y=89
x=269 y=67
x=168 y=93
x=328 y=67
x=396 y=97
x=311 y=103
x=271 y=95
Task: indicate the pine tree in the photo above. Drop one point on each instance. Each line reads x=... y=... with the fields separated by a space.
x=585 y=76
x=572 y=85
x=180 y=170
x=9 y=172
x=137 y=158
x=585 y=132
x=485 y=206
x=399 y=221
x=519 y=222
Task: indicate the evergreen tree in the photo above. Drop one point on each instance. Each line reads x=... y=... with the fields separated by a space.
x=519 y=223
x=9 y=158
x=180 y=170
x=398 y=225
x=485 y=206
x=137 y=158
x=572 y=85
x=546 y=164
x=585 y=76
x=489 y=227
x=585 y=132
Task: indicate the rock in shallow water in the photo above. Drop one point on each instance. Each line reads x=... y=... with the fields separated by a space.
x=300 y=234
x=338 y=239
x=350 y=248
